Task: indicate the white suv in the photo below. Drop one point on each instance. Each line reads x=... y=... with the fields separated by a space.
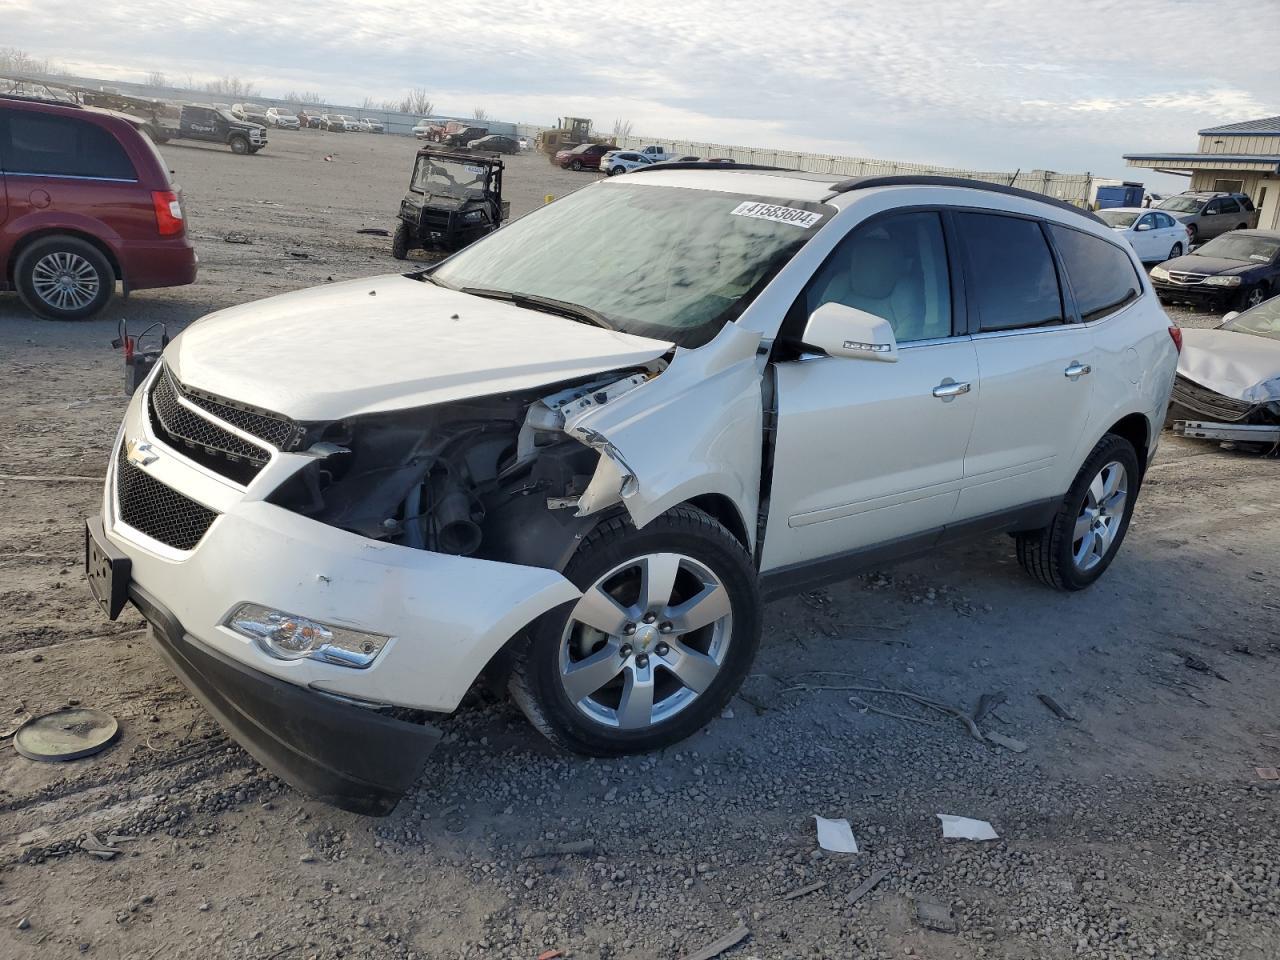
x=583 y=470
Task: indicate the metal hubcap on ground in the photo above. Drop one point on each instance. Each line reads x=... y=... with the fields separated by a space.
x=645 y=640
x=65 y=280
x=1100 y=516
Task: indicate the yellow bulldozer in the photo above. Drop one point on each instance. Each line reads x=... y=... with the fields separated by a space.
x=568 y=133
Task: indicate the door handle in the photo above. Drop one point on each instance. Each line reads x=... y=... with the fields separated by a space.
x=1077 y=370
x=948 y=390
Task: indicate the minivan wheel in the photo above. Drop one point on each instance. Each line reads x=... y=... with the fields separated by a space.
x=64 y=278
x=1176 y=251
x=663 y=635
x=1079 y=544
x=239 y=145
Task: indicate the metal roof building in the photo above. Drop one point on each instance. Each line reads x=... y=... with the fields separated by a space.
x=1238 y=157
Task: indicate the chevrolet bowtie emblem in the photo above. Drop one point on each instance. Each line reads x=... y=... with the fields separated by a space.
x=140 y=453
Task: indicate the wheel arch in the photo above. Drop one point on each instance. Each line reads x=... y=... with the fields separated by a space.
x=722 y=508
x=1135 y=428
x=45 y=232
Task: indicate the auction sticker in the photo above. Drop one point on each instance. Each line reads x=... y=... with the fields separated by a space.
x=778 y=214
x=476 y=169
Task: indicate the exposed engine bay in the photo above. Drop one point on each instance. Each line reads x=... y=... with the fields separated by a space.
x=501 y=477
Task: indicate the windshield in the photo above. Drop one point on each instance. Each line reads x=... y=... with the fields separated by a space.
x=664 y=262
x=1237 y=247
x=1262 y=321
x=1180 y=204
x=461 y=181
x=1118 y=218
x=228 y=115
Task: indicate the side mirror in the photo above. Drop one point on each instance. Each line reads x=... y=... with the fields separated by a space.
x=841 y=331
x=1142 y=226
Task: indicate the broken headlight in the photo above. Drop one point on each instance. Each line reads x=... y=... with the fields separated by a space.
x=289 y=637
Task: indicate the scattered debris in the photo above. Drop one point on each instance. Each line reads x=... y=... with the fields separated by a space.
x=1009 y=743
x=1195 y=663
x=836 y=835
x=726 y=713
x=805 y=891
x=66 y=735
x=572 y=848
x=550 y=954
x=1241 y=648
x=91 y=844
x=1268 y=773
x=14 y=726
x=299 y=254
x=375 y=231
x=236 y=238
x=24 y=924
x=1057 y=708
x=988 y=702
x=964 y=828
x=935 y=915
x=718 y=947
x=866 y=886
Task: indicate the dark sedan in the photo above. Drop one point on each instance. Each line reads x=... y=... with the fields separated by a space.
x=1238 y=269
x=494 y=144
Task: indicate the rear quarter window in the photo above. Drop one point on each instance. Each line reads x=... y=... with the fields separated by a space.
x=58 y=146
x=1102 y=276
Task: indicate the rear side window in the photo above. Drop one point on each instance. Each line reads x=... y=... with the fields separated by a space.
x=1012 y=279
x=61 y=147
x=1102 y=276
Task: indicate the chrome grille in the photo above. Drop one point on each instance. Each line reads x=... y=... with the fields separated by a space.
x=280 y=432
x=188 y=431
x=1207 y=403
x=160 y=512
x=1186 y=279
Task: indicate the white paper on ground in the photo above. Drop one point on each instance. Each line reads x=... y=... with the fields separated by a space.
x=836 y=836
x=962 y=828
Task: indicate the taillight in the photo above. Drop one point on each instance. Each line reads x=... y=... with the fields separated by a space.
x=1175 y=334
x=169 y=219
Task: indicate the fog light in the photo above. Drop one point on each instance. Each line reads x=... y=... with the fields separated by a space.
x=289 y=637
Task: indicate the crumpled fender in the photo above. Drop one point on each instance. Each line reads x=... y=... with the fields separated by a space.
x=694 y=429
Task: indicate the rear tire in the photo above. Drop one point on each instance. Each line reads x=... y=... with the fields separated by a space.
x=1078 y=545
x=617 y=171
x=1193 y=235
x=656 y=684
x=239 y=145
x=401 y=241
x=64 y=278
x=1176 y=251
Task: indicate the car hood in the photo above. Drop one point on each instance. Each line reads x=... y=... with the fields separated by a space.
x=388 y=343
x=1237 y=365
x=1194 y=263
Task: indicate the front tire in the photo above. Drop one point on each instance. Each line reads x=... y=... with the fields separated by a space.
x=576 y=165
x=239 y=145
x=401 y=241
x=1078 y=545
x=663 y=636
x=64 y=278
x=1251 y=297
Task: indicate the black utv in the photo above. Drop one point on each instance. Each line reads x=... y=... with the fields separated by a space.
x=453 y=200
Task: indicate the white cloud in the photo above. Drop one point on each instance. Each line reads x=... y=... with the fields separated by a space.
x=1003 y=84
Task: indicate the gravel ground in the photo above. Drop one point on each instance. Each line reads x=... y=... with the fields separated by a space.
x=1139 y=828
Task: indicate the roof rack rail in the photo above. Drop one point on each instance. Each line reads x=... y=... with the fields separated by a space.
x=923 y=180
x=708 y=165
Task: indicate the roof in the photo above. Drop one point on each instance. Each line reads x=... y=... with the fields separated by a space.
x=1208 y=160
x=737 y=178
x=1266 y=127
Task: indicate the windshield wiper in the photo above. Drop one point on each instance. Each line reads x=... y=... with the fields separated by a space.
x=532 y=301
x=428 y=276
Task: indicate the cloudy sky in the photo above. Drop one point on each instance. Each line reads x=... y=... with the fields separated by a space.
x=988 y=84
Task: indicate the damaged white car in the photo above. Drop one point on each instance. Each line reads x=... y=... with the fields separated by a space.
x=1230 y=375
x=578 y=454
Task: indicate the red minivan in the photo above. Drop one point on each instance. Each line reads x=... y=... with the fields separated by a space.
x=85 y=201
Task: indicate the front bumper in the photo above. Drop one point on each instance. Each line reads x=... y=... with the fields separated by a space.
x=353 y=758
x=1195 y=293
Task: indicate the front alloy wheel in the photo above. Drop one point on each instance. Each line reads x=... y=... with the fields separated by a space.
x=1252 y=297
x=662 y=636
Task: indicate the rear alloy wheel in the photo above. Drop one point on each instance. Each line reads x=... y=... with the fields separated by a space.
x=64 y=278
x=1176 y=251
x=663 y=635
x=616 y=171
x=1081 y=541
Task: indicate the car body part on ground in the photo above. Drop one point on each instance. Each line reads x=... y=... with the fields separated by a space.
x=90 y=204
x=966 y=828
x=70 y=734
x=582 y=471
x=1240 y=269
x=1154 y=235
x=453 y=199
